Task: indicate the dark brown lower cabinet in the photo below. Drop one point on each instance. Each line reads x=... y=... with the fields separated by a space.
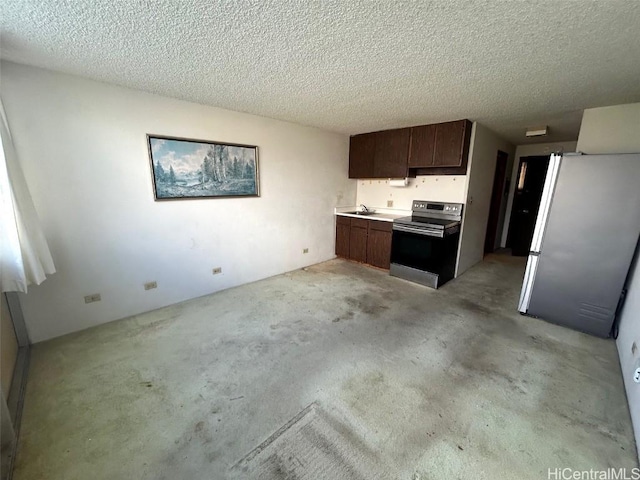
x=358 y=240
x=366 y=241
x=379 y=244
x=343 y=231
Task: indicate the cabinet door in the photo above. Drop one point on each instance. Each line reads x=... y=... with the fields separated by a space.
x=423 y=140
x=379 y=244
x=391 y=153
x=452 y=143
x=358 y=240
x=343 y=227
x=361 y=155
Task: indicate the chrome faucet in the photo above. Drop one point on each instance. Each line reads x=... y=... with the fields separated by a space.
x=364 y=208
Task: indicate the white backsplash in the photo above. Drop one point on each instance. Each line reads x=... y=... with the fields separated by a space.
x=440 y=188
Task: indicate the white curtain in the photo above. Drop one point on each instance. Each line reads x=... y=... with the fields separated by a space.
x=24 y=253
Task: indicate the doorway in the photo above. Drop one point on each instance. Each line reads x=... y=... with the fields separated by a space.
x=497 y=195
x=532 y=172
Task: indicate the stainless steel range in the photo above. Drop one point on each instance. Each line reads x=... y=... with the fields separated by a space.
x=424 y=246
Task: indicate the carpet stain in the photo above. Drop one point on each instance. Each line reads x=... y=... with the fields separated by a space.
x=367 y=304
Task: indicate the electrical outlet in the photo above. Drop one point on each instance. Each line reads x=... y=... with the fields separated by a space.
x=389 y=203
x=636 y=375
x=217 y=270
x=150 y=285
x=92 y=298
x=305 y=250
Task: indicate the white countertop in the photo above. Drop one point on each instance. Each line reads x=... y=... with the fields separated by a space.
x=383 y=214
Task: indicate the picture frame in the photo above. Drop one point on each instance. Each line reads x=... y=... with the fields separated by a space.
x=190 y=169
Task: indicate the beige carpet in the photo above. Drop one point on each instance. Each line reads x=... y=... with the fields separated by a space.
x=427 y=384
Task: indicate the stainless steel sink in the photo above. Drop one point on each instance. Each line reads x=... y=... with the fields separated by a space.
x=360 y=213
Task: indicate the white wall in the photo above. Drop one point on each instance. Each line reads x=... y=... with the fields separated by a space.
x=439 y=188
x=539 y=149
x=613 y=129
x=617 y=130
x=83 y=149
x=482 y=165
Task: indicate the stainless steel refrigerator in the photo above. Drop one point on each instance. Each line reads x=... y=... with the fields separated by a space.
x=584 y=240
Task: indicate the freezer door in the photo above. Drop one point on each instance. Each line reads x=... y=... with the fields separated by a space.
x=588 y=243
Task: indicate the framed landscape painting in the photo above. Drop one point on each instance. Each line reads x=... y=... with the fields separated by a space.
x=188 y=169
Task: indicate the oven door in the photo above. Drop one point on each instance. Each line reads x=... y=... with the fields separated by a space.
x=424 y=259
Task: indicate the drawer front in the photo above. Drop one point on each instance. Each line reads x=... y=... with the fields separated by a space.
x=359 y=223
x=381 y=225
x=343 y=220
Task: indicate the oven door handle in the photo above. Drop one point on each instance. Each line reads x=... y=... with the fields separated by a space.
x=419 y=231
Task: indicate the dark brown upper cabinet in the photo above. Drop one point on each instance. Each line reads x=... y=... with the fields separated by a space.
x=362 y=149
x=452 y=143
x=391 y=154
x=438 y=149
x=423 y=143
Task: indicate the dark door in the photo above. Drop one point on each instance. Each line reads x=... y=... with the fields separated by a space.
x=392 y=153
x=361 y=152
x=497 y=196
x=526 y=201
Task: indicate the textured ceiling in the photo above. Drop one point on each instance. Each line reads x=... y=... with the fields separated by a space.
x=350 y=66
